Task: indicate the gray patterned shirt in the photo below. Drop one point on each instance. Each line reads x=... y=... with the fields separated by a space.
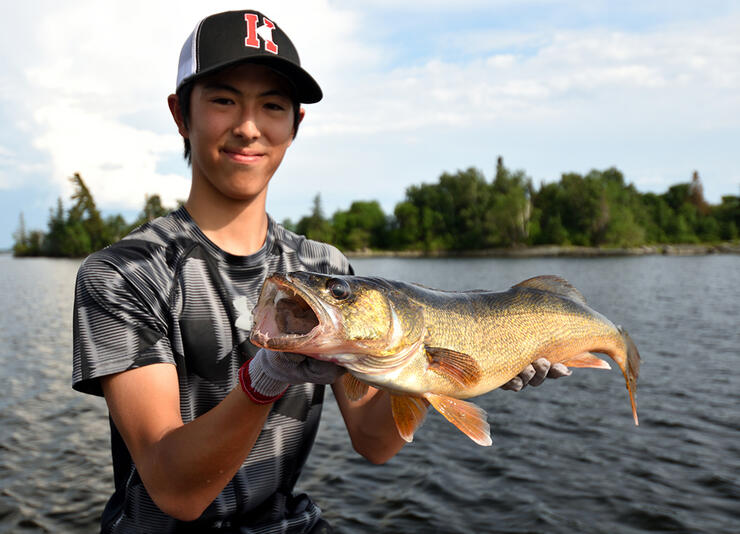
x=167 y=294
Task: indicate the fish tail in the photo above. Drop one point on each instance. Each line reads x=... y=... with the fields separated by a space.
x=631 y=368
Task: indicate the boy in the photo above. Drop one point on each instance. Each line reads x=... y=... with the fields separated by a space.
x=209 y=434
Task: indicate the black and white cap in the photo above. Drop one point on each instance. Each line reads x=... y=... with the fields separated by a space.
x=233 y=37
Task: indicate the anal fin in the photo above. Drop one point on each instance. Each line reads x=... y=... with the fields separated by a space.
x=586 y=359
x=469 y=418
x=408 y=413
x=353 y=388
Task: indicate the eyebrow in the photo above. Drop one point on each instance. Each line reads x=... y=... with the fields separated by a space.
x=219 y=86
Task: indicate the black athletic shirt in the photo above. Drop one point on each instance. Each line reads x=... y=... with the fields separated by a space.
x=167 y=294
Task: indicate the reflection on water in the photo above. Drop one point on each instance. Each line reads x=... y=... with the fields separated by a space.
x=566 y=456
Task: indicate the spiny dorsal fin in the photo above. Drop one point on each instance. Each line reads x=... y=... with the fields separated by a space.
x=469 y=418
x=553 y=284
x=353 y=388
x=408 y=413
x=459 y=367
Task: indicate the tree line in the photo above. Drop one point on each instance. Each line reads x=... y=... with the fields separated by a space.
x=465 y=211
x=461 y=211
x=80 y=229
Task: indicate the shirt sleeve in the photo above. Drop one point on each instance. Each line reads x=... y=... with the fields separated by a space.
x=120 y=320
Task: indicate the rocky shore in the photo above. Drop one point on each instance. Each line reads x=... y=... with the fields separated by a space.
x=548 y=251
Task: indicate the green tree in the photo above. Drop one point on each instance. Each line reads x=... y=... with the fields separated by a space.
x=468 y=195
x=84 y=219
x=363 y=226
x=316 y=226
x=451 y=214
x=58 y=238
x=27 y=243
x=116 y=227
x=658 y=215
x=509 y=211
x=152 y=209
x=405 y=227
x=435 y=212
x=728 y=216
x=548 y=204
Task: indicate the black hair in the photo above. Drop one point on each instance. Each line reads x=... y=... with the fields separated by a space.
x=183 y=98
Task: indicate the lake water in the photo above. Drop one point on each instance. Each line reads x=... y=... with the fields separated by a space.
x=566 y=456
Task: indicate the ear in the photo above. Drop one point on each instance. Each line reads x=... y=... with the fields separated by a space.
x=301 y=115
x=174 y=104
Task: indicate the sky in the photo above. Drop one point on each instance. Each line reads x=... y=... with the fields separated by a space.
x=412 y=89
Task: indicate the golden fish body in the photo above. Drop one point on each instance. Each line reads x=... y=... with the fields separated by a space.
x=440 y=346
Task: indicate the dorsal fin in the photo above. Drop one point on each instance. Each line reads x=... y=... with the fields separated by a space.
x=553 y=284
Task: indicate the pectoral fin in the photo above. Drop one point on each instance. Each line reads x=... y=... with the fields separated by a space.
x=408 y=413
x=469 y=418
x=457 y=366
x=586 y=359
x=353 y=388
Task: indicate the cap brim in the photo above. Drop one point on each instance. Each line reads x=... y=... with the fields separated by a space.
x=307 y=90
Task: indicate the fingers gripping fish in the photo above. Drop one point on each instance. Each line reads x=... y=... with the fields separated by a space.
x=440 y=346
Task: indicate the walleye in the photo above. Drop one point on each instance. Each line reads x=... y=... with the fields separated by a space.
x=440 y=346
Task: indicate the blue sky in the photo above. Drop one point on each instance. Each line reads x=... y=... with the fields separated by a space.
x=412 y=89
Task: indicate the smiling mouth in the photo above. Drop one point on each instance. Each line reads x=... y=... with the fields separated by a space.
x=243 y=157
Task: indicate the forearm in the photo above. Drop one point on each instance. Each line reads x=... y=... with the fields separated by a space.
x=370 y=424
x=183 y=466
x=188 y=467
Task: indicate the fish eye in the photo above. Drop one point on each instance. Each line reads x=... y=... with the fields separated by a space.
x=338 y=288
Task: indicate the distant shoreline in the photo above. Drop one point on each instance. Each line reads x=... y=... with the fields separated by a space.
x=540 y=251
x=554 y=251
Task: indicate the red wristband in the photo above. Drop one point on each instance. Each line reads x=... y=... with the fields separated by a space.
x=246 y=383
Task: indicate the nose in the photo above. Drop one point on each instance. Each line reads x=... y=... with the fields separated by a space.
x=246 y=127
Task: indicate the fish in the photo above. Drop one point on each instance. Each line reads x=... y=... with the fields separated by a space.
x=437 y=347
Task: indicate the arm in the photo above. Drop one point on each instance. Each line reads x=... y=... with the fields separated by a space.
x=370 y=424
x=183 y=466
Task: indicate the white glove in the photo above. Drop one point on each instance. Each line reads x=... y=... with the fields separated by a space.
x=534 y=374
x=265 y=377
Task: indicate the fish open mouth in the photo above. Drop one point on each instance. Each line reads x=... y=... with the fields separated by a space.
x=285 y=317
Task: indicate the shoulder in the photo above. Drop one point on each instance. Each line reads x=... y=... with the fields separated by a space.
x=143 y=261
x=313 y=255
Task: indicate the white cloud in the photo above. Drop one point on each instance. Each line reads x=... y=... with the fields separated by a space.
x=570 y=70
x=94 y=86
x=118 y=162
x=96 y=75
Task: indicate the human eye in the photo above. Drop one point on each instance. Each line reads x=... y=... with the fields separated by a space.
x=275 y=106
x=222 y=101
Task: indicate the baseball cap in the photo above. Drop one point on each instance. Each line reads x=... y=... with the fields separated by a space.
x=233 y=37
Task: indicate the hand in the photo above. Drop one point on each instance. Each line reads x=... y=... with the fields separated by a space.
x=534 y=374
x=265 y=377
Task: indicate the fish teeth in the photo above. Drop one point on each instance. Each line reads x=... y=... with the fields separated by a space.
x=280 y=295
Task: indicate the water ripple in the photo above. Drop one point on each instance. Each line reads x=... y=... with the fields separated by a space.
x=566 y=456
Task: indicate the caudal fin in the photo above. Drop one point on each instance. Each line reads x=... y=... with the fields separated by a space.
x=631 y=369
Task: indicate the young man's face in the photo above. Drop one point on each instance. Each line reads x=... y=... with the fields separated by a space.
x=240 y=125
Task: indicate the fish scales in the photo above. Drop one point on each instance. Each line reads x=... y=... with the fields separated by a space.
x=503 y=332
